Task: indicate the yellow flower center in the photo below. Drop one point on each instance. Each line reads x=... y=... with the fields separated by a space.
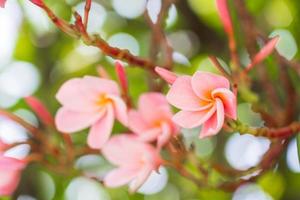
x=103 y=100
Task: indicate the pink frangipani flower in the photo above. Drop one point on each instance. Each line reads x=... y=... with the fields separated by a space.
x=10 y=172
x=153 y=119
x=135 y=160
x=90 y=101
x=204 y=99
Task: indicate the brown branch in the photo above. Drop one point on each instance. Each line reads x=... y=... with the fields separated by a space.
x=30 y=128
x=272 y=133
x=217 y=64
x=87 y=8
x=251 y=34
x=78 y=31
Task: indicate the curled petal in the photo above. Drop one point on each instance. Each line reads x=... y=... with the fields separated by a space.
x=71 y=121
x=101 y=130
x=192 y=119
x=229 y=101
x=182 y=96
x=203 y=83
x=141 y=178
x=167 y=75
x=120 y=109
x=165 y=135
x=120 y=176
x=215 y=123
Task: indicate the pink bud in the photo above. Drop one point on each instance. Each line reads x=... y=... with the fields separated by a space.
x=122 y=76
x=39 y=3
x=263 y=53
x=2 y=3
x=40 y=110
x=103 y=73
x=225 y=16
x=167 y=75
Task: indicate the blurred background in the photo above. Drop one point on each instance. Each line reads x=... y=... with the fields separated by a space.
x=36 y=58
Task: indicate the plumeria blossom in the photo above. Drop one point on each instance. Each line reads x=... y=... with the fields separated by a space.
x=10 y=172
x=90 y=102
x=135 y=160
x=204 y=99
x=152 y=121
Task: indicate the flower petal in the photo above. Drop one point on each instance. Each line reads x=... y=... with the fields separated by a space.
x=120 y=176
x=141 y=178
x=136 y=123
x=101 y=130
x=215 y=123
x=192 y=119
x=9 y=182
x=72 y=121
x=154 y=107
x=120 y=109
x=203 y=83
x=165 y=135
x=150 y=134
x=181 y=95
x=101 y=85
x=74 y=96
x=127 y=150
x=229 y=101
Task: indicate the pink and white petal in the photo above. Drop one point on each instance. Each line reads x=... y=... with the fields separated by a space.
x=101 y=130
x=215 y=123
x=73 y=96
x=182 y=96
x=192 y=119
x=136 y=122
x=9 y=163
x=203 y=83
x=141 y=178
x=149 y=135
x=154 y=106
x=123 y=149
x=120 y=176
x=71 y=121
x=120 y=109
x=229 y=101
x=101 y=85
x=9 y=181
x=165 y=136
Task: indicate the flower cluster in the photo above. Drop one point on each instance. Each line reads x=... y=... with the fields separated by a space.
x=95 y=102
